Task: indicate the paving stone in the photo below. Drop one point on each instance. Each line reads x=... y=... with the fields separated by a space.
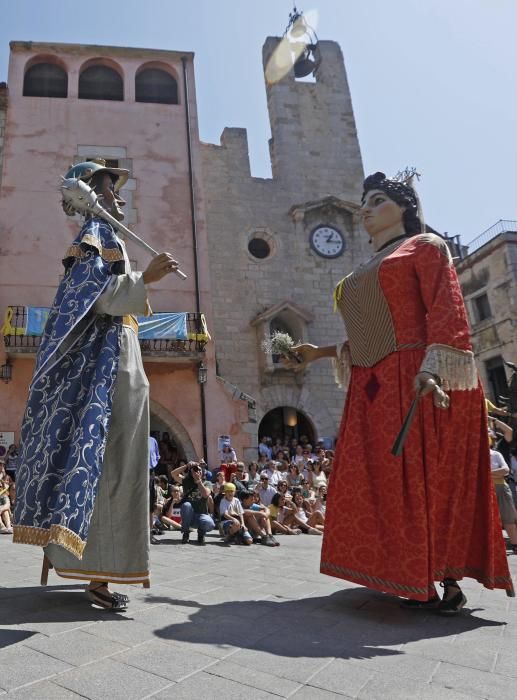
x=506 y=663
x=384 y=687
x=123 y=630
x=42 y=691
x=113 y=680
x=310 y=693
x=165 y=660
x=204 y=685
x=394 y=662
x=342 y=677
x=253 y=677
x=76 y=647
x=475 y=683
x=460 y=654
x=295 y=667
x=20 y=665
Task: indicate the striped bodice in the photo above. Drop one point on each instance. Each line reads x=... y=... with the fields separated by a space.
x=368 y=320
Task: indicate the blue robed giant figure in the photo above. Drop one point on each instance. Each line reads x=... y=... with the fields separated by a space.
x=82 y=484
x=66 y=421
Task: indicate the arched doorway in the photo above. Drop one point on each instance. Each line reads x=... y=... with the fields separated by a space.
x=175 y=443
x=285 y=422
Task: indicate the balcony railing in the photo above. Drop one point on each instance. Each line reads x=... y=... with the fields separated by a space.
x=19 y=337
x=502 y=226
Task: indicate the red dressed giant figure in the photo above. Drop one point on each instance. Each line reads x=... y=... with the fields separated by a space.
x=399 y=524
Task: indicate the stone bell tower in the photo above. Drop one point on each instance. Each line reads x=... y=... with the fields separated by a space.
x=278 y=246
x=314 y=146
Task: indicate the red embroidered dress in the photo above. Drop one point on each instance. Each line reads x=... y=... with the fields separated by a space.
x=398 y=524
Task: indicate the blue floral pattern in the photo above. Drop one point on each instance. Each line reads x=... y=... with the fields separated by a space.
x=66 y=421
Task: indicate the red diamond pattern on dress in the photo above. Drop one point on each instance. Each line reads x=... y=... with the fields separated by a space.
x=372 y=387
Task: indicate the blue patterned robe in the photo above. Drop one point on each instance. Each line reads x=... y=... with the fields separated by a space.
x=66 y=421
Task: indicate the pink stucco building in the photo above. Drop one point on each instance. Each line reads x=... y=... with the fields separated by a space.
x=136 y=108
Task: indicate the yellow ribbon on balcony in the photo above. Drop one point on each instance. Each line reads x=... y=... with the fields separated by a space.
x=204 y=336
x=7 y=328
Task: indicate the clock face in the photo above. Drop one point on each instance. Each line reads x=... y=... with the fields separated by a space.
x=327 y=242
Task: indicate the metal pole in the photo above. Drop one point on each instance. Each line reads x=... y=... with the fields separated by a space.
x=194 y=240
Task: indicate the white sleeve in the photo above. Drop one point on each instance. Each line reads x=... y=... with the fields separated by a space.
x=125 y=294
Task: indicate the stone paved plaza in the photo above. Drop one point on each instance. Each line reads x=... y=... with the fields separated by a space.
x=237 y=622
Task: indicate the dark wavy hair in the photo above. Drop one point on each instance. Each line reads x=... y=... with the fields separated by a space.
x=401 y=194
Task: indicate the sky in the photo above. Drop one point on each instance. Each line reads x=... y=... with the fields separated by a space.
x=433 y=82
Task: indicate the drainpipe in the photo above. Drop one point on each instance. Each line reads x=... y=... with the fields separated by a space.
x=184 y=61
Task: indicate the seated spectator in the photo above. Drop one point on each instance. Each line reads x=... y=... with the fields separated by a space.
x=171 y=511
x=196 y=503
x=272 y=471
x=205 y=471
x=232 y=518
x=264 y=449
x=240 y=478
x=320 y=502
x=299 y=457
x=265 y=491
x=256 y=519
x=227 y=454
x=283 y=489
x=293 y=478
x=253 y=476
x=219 y=483
x=305 y=490
x=317 y=476
x=11 y=462
x=302 y=518
x=5 y=502
x=228 y=470
x=278 y=510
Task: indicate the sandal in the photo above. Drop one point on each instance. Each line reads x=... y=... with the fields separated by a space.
x=453 y=605
x=116 y=602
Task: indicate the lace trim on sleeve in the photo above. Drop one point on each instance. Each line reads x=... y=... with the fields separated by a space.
x=342 y=365
x=456 y=368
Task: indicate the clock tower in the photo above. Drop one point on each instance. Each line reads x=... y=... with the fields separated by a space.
x=279 y=246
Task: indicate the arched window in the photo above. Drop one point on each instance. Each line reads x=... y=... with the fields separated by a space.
x=100 y=82
x=45 y=80
x=156 y=85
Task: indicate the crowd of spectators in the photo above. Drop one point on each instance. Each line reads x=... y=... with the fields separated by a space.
x=282 y=492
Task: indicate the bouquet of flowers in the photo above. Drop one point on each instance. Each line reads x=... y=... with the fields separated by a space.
x=280 y=344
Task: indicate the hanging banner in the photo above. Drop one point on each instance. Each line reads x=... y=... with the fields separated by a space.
x=168 y=326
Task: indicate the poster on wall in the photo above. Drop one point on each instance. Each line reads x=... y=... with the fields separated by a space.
x=6 y=439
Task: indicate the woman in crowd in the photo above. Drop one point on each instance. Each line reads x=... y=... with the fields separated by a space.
x=400 y=523
x=279 y=512
x=253 y=476
x=317 y=476
x=293 y=478
x=301 y=517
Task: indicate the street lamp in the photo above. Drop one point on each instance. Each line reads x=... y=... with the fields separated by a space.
x=6 y=372
x=202 y=374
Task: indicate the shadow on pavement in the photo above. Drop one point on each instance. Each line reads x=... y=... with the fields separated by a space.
x=353 y=623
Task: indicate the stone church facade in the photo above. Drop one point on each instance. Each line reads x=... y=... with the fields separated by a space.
x=269 y=251
x=278 y=247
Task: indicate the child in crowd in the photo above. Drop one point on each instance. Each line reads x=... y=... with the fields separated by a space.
x=232 y=518
x=256 y=519
x=171 y=512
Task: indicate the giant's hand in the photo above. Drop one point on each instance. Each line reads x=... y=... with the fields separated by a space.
x=301 y=356
x=425 y=383
x=160 y=266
